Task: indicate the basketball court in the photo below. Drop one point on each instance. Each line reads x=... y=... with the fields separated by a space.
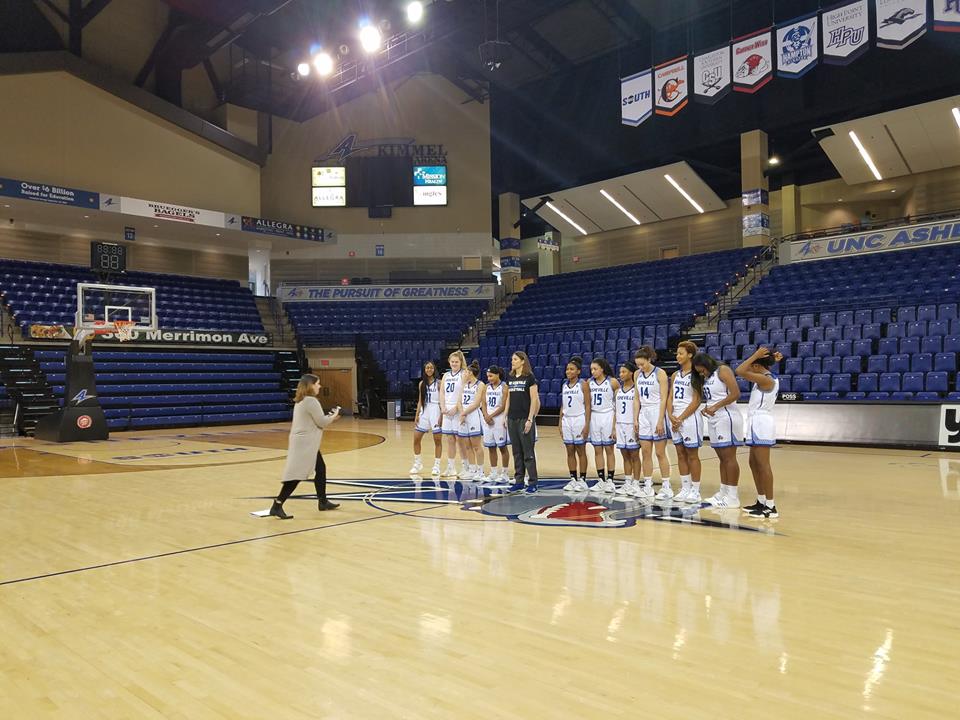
x=135 y=571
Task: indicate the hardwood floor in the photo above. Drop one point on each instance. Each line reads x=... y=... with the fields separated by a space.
x=134 y=583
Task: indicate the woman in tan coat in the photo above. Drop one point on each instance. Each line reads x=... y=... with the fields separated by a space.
x=304 y=447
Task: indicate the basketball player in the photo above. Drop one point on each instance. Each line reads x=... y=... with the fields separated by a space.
x=428 y=419
x=471 y=422
x=603 y=390
x=628 y=410
x=451 y=385
x=653 y=426
x=683 y=404
x=495 y=426
x=303 y=453
x=761 y=431
x=575 y=424
x=717 y=385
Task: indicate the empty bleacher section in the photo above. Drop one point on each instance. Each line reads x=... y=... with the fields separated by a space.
x=609 y=312
x=878 y=327
x=151 y=388
x=45 y=293
x=400 y=335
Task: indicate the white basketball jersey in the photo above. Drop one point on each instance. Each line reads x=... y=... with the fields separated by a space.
x=762 y=401
x=649 y=387
x=601 y=396
x=494 y=397
x=433 y=393
x=714 y=389
x=469 y=393
x=452 y=385
x=682 y=392
x=573 y=405
x=625 y=405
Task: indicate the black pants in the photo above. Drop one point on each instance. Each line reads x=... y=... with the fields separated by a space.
x=319 y=483
x=524 y=458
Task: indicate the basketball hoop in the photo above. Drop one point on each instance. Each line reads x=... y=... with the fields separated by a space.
x=123 y=329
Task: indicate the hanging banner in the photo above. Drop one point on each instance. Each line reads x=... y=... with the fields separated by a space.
x=636 y=98
x=162 y=211
x=904 y=237
x=900 y=22
x=280 y=229
x=52 y=194
x=846 y=34
x=946 y=15
x=711 y=75
x=356 y=293
x=752 y=61
x=797 y=47
x=670 y=83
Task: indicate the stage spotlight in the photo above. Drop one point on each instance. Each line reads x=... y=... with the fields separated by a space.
x=370 y=38
x=415 y=12
x=303 y=69
x=323 y=64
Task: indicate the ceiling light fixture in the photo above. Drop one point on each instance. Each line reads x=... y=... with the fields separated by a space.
x=323 y=63
x=370 y=38
x=415 y=12
x=559 y=212
x=619 y=207
x=303 y=69
x=956 y=115
x=773 y=160
x=684 y=193
x=865 y=155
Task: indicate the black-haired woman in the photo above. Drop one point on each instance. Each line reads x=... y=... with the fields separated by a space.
x=523 y=404
x=718 y=387
x=428 y=419
x=575 y=424
x=495 y=426
x=761 y=430
x=603 y=389
x=303 y=452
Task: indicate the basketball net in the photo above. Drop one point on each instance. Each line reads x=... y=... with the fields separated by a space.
x=123 y=329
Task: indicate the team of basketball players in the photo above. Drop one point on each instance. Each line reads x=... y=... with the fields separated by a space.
x=638 y=412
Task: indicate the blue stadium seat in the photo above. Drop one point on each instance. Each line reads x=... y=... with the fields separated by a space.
x=867 y=382
x=877 y=364
x=888 y=346
x=823 y=349
x=835 y=332
x=901 y=396
x=896 y=330
x=910 y=345
x=951 y=343
x=947 y=311
x=828 y=318
x=889 y=382
x=845 y=317
x=927 y=312
x=927 y=397
x=862 y=347
x=899 y=363
x=882 y=315
x=794 y=335
x=855 y=396
x=931 y=344
x=863 y=317
x=917 y=329
x=878 y=396
x=820 y=383
x=815 y=334
x=840 y=383
x=805 y=320
x=793 y=365
x=786 y=383
x=801 y=383
x=907 y=313
x=912 y=382
x=812 y=366
x=938 y=327
x=852 y=364
x=774 y=323
x=805 y=349
x=921 y=362
x=935 y=382
x=945 y=362
x=828 y=396
x=832 y=365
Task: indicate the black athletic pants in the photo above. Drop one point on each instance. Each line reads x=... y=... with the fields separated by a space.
x=524 y=458
x=319 y=483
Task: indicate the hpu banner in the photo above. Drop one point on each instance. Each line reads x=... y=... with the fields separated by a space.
x=711 y=75
x=636 y=98
x=752 y=61
x=846 y=32
x=946 y=15
x=354 y=293
x=797 y=47
x=670 y=84
x=900 y=22
x=898 y=238
x=52 y=194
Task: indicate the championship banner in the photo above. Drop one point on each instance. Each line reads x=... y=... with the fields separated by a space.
x=163 y=211
x=670 y=83
x=355 y=293
x=900 y=22
x=797 y=47
x=636 y=98
x=51 y=194
x=752 y=61
x=897 y=238
x=946 y=15
x=281 y=229
x=548 y=241
x=846 y=32
x=711 y=75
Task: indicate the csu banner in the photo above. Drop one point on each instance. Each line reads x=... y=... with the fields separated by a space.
x=946 y=15
x=797 y=47
x=900 y=22
x=670 y=83
x=752 y=61
x=846 y=32
x=354 y=293
x=711 y=75
x=636 y=98
x=897 y=238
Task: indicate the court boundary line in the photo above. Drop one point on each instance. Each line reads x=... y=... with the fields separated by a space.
x=214 y=546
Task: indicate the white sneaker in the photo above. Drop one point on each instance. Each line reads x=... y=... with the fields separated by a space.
x=604 y=487
x=666 y=493
x=582 y=486
x=714 y=499
x=436 y=469
x=693 y=497
x=626 y=488
x=485 y=479
x=681 y=496
x=725 y=502
x=571 y=486
x=450 y=472
x=635 y=489
x=417 y=468
x=645 y=492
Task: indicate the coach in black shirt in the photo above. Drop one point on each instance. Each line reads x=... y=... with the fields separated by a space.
x=523 y=404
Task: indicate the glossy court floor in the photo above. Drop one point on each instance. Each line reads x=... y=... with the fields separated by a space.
x=134 y=583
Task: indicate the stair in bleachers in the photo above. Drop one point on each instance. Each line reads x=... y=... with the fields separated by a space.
x=883 y=327
x=8 y=426
x=290 y=370
x=276 y=322
x=149 y=388
x=25 y=387
x=45 y=293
